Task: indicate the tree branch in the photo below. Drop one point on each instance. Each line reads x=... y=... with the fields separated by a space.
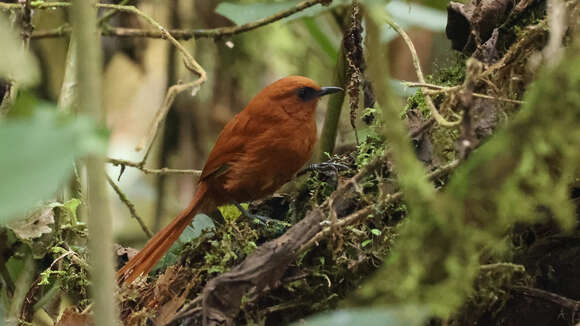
x=567 y=303
x=139 y=165
x=130 y=206
x=183 y=34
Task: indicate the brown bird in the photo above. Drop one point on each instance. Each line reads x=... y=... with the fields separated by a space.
x=258 y=151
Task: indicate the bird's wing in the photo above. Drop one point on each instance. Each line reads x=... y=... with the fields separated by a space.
x=231 y=144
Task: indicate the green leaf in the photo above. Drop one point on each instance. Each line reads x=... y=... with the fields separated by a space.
x=16 y=63
x=393 y=316
x=37 y=153
x=231 y=212
x=366 y=242
x=321 y=38
x=376 y=232
x=70 y=207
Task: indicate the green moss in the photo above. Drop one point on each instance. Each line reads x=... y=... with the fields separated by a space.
x=372 y=146
x=516 y=26
x=222 y=249
x=530 y=163
x=450 y=73
x=417 y=102
x=443 y=140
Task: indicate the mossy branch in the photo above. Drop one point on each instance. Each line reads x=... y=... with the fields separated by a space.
x=438 y=250
x=417 y=64
x=410 y=171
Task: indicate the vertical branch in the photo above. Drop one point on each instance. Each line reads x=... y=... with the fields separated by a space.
x=410 y=172
x=26 y=22
x=335 y=101
x=66 y=99
x=354 y=60
x=84 y=19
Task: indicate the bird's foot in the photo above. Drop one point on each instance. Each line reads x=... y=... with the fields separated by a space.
x=324 y=167
x=255 y=217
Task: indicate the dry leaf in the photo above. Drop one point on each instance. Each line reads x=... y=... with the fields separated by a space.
x=34 y=226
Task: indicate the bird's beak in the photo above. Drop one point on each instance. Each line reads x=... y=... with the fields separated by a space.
x=329 y=90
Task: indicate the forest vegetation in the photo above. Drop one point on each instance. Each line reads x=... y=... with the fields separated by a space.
x=444 y=188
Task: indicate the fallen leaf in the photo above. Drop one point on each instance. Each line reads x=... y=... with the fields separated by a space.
x=34 y=226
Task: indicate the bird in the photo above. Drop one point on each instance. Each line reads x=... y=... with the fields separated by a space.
x=258 y=151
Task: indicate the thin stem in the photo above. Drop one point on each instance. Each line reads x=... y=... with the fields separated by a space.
x=417 y=64
x=84 y=19
x=327 y=138
x=139 y=165
x=189 y=62
x=436 y=89
x=130 y=206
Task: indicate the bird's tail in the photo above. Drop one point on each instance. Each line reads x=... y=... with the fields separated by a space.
x=157 y=246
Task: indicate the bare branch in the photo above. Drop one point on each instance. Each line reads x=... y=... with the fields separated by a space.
x=436 y=89
x=183 y=34
x=130 y=206
x=139 y=165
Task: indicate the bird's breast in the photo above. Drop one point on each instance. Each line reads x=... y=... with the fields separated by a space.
x=270 y=160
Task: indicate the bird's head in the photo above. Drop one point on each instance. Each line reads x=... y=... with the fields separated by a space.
x=296 y=95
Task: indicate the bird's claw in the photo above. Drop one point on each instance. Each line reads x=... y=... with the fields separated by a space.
x=324 y=167
x=259 y=219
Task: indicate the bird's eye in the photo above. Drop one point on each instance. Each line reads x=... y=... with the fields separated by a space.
x=306 y=93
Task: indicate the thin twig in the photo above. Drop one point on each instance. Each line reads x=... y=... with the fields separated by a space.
x=139 y=165
x=130 y=206
x=183 y=34
x=34 y=5
x=417 y=63
x=188 y=309
x=502 y=265
x=189 y=62
x=436 y=89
